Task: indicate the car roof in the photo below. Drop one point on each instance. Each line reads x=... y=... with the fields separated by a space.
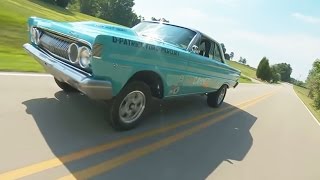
x=192 y=29
x=162 y=22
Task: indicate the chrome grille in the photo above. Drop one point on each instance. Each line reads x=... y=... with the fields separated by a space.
x=55 y=44
x=58 y=45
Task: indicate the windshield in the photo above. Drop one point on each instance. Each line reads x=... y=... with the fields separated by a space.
x=175 y=35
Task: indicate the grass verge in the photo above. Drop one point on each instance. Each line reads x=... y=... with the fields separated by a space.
x=244 y=80
x=245 y=69
x=13 y=32
x=303 y=95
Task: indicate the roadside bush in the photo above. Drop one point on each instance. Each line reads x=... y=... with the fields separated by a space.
x=49 y=1
x=264 y=71
x=276 y=76
x=62 y=3
x=313 y=83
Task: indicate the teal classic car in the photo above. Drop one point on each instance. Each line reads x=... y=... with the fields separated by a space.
x=130 y=66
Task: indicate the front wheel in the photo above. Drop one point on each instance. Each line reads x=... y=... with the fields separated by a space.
x=215 y=99
x=130 y=105
x=65 y=86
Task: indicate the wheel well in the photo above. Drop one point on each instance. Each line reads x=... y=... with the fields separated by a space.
x=152 y=79
x=226 y=85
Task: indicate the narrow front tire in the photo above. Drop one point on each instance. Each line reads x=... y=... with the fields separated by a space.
x=129 y=106
x=65 y=86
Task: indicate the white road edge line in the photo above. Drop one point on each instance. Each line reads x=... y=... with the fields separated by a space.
x=306 y=107
x=24 y=74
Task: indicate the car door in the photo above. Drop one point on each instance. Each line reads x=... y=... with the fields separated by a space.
x=206 y=70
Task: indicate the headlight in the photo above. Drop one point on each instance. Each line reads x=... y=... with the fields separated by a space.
x=35 y=35
x=73 y=53
x=85 y=57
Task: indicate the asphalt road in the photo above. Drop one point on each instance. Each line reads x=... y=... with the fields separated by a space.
x=261 y=132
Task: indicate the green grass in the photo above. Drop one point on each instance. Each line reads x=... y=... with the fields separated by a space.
x=303 y=94
x=244 y=80
x=245 y=70
x=13 y=31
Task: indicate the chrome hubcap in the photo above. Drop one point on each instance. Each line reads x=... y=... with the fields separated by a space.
x=221 y=95
x=132 y=106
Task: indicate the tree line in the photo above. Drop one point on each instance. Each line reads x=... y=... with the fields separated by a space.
x=274 y=73
x=313 y=83
x=117 y=11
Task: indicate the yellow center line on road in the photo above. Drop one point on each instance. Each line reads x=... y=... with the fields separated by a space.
x=58 y=161
x=139 y=152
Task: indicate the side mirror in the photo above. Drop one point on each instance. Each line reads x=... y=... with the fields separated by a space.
x=195 y=49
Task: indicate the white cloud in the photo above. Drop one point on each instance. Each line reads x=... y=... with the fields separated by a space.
x=306 y=18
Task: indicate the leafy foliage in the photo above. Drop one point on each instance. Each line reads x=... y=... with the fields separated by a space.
x=231 y=55
x=226 y=55
x=160 y=19
x=297 y=82
x=264 y=71
x=276 y=76
x=117 y=11
x=313 y=83
x=89 y=7
x=61 y=3
x=49 y=1
x=285 y=71
x=242 y=60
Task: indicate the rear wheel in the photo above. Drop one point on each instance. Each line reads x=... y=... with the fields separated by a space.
x=65 y=86
x=215 y=99
x=130 y=105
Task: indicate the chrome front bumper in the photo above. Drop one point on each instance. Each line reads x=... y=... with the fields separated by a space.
x=95 y=89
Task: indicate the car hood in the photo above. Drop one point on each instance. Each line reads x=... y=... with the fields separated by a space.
x=86 y=30
x=89 y=30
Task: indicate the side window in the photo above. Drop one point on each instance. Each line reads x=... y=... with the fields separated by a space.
x=217 y=53
x=205 y=47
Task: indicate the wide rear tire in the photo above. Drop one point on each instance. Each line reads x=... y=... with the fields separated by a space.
x=215 y=99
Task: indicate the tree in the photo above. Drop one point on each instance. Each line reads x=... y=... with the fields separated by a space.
x=263 y=70
x=154 y=19
x=244 y=61
x=240 y=59
x=160 y=19
x=118 y=11
x=49 y=1
x=136 y=19
x=62 y=3
x=227 y=56
x=275 y=75
x=313 y=83
x=285 y=71
x=231 y=55
x=90 y=7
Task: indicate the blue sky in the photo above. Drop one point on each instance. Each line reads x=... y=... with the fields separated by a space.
x=283 y=31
